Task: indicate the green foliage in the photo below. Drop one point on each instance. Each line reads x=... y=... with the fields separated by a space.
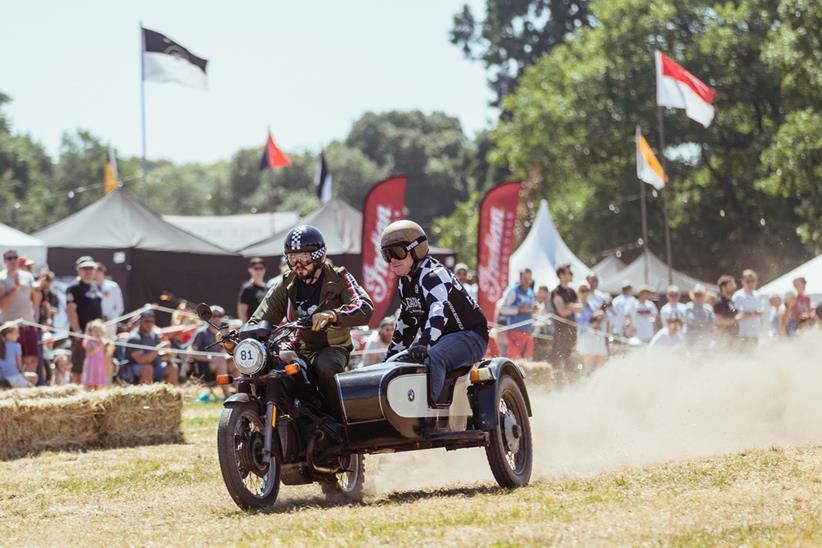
x=516 y=34
x=458 y=231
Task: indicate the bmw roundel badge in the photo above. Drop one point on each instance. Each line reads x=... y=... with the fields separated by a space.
x=411 y=394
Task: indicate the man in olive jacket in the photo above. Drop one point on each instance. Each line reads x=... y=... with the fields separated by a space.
x=329 y=296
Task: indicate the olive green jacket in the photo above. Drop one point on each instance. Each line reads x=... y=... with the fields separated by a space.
x=340 y=292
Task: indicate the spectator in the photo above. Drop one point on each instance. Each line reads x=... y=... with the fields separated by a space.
x=111 y=294
x=622 y=307
x=725 y=309
x=46 y=306
x=773 y=315
x=787 y=320
x=377 y=344
x=518 y=307
x=83 y=304
x=16 y=303
x=145 y=365
x=590 y=341
x=205 y=340
x=11 y=365
x=253 y=291
x=670 y=335
x=673 y=309
x=643 y=316
x=565 y=302
x=749 y=309
x=543 y=324
x=803 y=309
x=62 y=367
x=463 y=274
x=24 y=263
x=699 y=318
x=596 y=297
x=495 y=333
x=95 y=372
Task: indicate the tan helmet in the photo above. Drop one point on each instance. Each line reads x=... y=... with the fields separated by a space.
x=408 y=234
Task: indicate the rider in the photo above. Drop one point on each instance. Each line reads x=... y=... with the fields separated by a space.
x=453 y=330
x=329 y=296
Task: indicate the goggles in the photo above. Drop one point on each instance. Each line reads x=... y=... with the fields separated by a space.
x=400 y=250
x=299 y=259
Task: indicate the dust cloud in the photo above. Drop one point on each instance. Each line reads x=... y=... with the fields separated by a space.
x=648 y=407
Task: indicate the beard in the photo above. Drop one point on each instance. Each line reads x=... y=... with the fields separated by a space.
x=305 y=273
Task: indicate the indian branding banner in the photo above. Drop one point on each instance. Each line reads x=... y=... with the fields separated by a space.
x=383 y=205
x=495 y=243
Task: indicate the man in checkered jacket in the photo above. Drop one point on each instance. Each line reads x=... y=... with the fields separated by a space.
x=452 y=329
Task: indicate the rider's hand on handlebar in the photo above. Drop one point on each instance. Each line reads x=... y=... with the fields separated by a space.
x=323 y=319
x=417 y=353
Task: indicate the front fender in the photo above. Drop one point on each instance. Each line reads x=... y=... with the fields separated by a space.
x=501 y=366
x=241 y=398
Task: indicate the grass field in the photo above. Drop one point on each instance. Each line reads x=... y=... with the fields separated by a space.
x=173 y=494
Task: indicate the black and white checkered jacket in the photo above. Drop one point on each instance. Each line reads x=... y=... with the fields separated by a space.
x=434 y=302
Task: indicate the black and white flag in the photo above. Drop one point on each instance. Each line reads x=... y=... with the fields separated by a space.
x=164 y=60
x=322 y=180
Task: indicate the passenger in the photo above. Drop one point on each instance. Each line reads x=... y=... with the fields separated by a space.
x=452 y=329
x=329 y=296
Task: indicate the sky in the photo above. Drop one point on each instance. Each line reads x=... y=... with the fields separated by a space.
x=305 y=69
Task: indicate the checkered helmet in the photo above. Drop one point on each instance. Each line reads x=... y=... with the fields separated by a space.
x=306 y=238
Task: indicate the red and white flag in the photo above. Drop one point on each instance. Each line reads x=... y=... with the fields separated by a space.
x=495 y=243
x=678 y=88
x=383 y=205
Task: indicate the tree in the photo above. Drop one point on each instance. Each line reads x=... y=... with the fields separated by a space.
x=516 y=34
x=573 y=116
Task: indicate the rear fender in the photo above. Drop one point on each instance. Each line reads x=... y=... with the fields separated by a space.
x=484 y=395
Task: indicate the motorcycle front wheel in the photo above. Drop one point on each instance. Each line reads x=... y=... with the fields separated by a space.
x=251 y=480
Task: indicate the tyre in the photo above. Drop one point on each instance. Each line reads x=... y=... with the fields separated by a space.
x=347 y=485
x=252 y=482
x=510 y=452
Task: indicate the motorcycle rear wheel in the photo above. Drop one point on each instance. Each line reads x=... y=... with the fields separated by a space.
x=510 y=452
x=349 y=485
x=252 y=482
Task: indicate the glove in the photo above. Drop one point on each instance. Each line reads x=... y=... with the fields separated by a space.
x=418 y=353
x=320 y=320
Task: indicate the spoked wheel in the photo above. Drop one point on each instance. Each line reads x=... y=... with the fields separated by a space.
x=251 y=481
x=347 y=485
x=510 y=452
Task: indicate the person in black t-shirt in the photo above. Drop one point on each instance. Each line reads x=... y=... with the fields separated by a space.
x=253 y=291
x=83 y=304
x=724 y=309
x=566 y=303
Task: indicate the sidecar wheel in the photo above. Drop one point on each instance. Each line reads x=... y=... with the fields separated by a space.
x=347 y=485
x=510 y=452
x=252 y=482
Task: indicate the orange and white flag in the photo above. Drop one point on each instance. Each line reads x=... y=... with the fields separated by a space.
x=110 y=177
x=648 y=168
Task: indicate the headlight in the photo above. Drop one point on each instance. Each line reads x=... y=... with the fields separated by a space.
x=249 y=356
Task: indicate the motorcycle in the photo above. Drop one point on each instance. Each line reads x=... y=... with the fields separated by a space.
x=274 y=430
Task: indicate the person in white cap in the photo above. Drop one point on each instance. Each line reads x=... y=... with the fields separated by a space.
x=643 y=316
x=673 y=309
x=622 y=306
x=699 y=318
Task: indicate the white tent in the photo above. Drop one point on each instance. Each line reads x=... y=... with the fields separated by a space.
x=607 y=267
x=657 y=276
x=29 y=246
x=811 y=271
x=235 y=232
x=542 y=251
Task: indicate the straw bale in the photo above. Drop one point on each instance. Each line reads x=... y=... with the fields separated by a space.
x=39 y=392
x=114 y=417
x=537 y=372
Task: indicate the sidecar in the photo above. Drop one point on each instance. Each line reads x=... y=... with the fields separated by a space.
x=389 y=407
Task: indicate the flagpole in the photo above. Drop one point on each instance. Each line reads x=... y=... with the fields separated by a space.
x=665 y=194
x=143 y=109
x=644 y=228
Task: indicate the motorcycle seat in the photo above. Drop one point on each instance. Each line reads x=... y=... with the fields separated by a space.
x=444 y=398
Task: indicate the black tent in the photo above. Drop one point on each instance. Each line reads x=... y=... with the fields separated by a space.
x=144 y=254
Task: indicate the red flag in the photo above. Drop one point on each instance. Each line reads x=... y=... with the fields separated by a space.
x=273 y=157
x=383 y=205
x=495 y=243
x=678 y=88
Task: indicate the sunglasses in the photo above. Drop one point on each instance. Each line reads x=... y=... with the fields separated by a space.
x=299 y=259
x=11 y=258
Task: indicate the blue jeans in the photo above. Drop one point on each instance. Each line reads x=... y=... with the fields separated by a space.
x=452 y=351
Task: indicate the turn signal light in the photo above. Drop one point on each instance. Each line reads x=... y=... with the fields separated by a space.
x=224 y=379
x=291 y=369
x=481 y=375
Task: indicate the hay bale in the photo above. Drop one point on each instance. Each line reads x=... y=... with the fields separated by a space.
x=40 y=392
x=114 y=417
x=40 y=424
x=139 y=415
x=538 y=372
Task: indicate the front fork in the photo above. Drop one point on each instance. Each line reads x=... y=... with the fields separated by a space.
x=270 y=425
